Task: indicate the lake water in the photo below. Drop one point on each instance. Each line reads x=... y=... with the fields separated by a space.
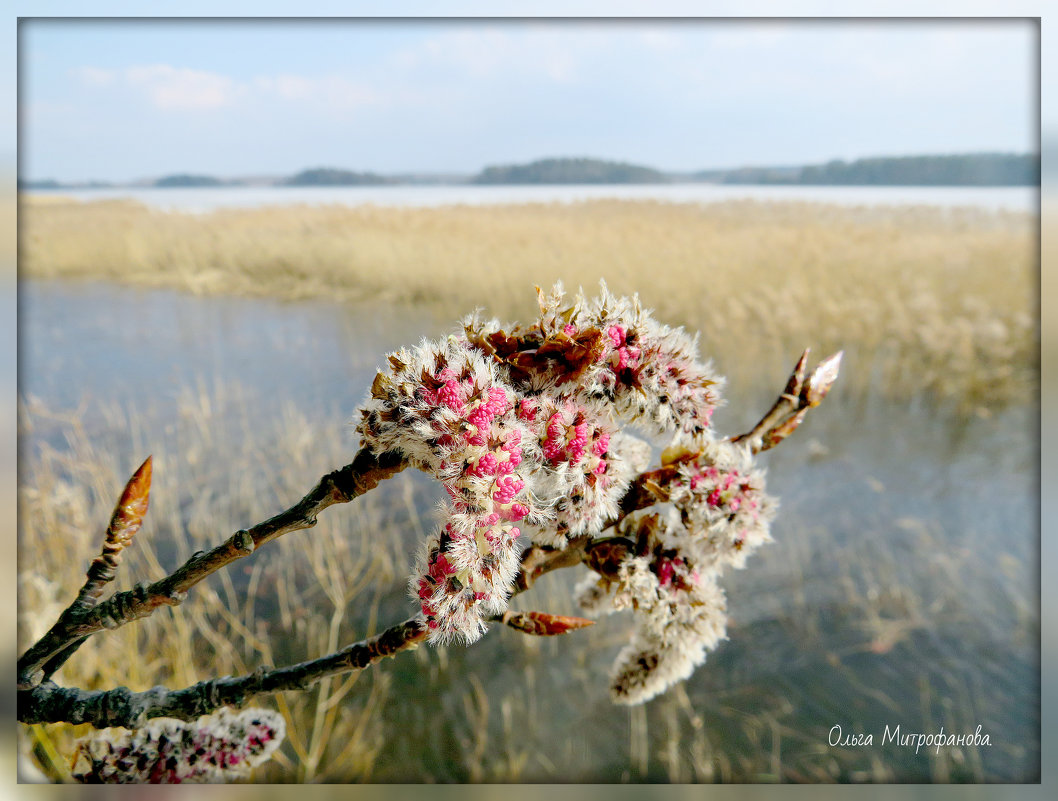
x=198 y=200
x=900 y=590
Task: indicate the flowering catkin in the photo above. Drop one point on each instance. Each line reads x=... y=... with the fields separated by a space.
x=718 y=514
x=523 y=428
x=215 y=748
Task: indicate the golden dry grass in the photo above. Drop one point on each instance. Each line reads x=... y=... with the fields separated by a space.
x=933 y=302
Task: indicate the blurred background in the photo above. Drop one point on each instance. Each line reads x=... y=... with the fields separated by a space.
x=225 y=226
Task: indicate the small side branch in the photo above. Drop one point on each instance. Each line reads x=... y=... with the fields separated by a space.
x=49 y=703
x=793 y=404
x=125 y=521
x=80 y=621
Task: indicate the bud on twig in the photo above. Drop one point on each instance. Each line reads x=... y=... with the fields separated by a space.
x=124 y=523
x=797 y=398
x=543 y=624
x=822 y=380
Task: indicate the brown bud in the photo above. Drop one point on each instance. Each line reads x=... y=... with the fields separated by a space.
x=543 y=624
x=124 y=523
x=131 y=508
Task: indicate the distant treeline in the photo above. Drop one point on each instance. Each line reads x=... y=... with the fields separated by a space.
x=183 y=179
x=974 y=169
x=571 y=171
x=331 y=176
x=977 y=169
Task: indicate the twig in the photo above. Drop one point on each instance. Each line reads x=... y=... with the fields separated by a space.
x=793 y=404
x=49 y=703
x=125 y=521
x=77 y=622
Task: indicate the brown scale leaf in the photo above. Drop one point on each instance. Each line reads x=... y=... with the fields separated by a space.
x=574 y=355
x=381 y=386
x=784 y=429
x=124 y=523
x=543 y=624
x=606 y=556
x=797 y=377
x=503 y=345
x=132 y=506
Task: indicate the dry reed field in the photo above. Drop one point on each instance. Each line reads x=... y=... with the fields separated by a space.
x=892 y=593
x=922 y=299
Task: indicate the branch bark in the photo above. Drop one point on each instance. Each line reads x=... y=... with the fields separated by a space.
x=80 y=621
x=49 y=703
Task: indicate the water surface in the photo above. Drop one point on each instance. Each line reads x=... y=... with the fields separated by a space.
x=197 y=200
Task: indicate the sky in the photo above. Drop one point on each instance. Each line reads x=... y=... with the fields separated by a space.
x=121 y=100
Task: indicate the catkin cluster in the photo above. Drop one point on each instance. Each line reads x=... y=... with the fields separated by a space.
x=523 y=426
x=718 y=514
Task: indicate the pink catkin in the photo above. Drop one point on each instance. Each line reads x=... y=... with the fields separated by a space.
x=506 y=488
x=486 y=465
x=602 y=444
x=527 y=410
x=451 y=396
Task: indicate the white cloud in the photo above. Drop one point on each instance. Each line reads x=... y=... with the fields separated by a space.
x=332 y=91
x=182 y=89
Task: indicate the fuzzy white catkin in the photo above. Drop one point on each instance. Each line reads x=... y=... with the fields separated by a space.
x=523 y=425
x=215 y=748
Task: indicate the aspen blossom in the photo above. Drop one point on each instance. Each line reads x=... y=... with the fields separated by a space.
x=215 y=748
x=524 y=428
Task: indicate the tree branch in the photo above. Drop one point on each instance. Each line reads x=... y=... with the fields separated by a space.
x=79 y=620
x=125 y=521
x=49 y=703
x=789 y=410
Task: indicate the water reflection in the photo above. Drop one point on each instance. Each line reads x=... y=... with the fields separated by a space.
x=202 y=200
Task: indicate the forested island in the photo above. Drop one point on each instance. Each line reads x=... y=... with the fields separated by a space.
x=571 y=171
x=972 y=169
x=331 y=176
x=185 y=180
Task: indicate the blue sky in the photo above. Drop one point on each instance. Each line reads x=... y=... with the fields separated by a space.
x=120 y=100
